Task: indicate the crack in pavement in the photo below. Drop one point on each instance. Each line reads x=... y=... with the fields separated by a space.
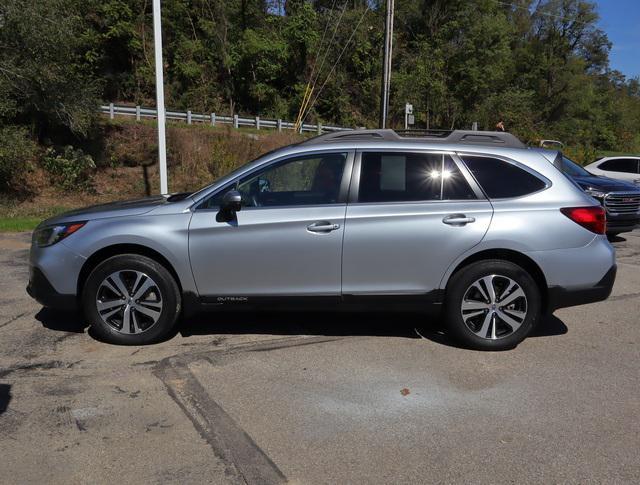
x=13 y=319
x=35 y=366
x=244 y=460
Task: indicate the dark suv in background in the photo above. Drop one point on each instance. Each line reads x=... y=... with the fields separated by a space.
x=621 y=199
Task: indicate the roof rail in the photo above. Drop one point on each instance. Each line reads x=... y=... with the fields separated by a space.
x=364 y=135
x=466 y=137
x=419 y=133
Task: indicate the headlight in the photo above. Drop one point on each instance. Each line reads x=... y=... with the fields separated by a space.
x=598 y=194
x=49 y=235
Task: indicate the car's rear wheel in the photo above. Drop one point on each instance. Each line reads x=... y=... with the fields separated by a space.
x=492 y=305
x=131 y=299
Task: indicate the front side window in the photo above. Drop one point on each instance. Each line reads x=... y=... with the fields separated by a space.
x=410 y=177
x=307 y=180
x=628 y=165
x=500 y=179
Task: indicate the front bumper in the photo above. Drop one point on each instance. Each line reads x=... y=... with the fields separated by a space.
x=41 y=290
x=622 y=222
x=561 y=297
x=53 y=275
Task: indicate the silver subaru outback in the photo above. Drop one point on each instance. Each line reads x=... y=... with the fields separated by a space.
x=471 y=223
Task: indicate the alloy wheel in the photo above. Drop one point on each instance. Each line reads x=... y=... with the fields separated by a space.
x=129 y=301
x=494 y=307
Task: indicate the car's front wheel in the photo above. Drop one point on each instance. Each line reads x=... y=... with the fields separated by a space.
x=492 y=305
x=131 y=299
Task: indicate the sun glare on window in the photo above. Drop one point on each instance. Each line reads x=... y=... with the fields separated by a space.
x=434 y=174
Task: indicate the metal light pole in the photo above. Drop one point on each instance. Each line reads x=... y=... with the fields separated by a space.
x=386 y=64
x=162 y=143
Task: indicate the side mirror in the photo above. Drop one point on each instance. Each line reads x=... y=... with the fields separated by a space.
x=231 y=203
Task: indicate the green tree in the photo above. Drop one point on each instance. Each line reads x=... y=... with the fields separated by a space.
x=46 y=79
x=541 y=66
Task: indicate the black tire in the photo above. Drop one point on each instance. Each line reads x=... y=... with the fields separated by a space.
x=165 y=292
x=500 y=272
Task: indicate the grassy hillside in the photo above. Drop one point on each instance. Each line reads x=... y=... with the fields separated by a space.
x=124 y=166
x=119 y=161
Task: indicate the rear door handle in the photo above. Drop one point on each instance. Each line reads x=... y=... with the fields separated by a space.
x=458 y=220
x=322 y=226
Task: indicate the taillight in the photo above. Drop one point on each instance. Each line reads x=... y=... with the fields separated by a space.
x=592 y=217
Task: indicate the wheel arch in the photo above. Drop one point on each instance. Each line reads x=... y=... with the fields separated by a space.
x=119 y=249
x=515 y=257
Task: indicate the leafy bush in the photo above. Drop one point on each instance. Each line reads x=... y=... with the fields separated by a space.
x=16 y=152
x=71 y=169
x=583 y=154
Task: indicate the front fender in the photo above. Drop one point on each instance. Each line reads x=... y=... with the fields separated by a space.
x=166 y=234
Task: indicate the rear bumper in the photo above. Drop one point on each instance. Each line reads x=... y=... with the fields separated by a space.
x=41 y=290
x=561 y=297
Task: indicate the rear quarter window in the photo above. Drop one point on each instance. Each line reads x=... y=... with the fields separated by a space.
x=500 y=179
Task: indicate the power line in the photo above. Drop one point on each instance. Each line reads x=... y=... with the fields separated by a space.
x=335 y=64
x=326 y=53
x=311 y=84
x=308 y=90
x=326 y=28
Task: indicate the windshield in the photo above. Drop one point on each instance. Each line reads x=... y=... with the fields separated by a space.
x=230 y=174
x=572 y=169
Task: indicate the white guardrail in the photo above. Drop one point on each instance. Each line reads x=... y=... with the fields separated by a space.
x=212 y=118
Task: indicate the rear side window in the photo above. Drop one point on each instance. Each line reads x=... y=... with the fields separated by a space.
x=628 y=165
x=411 y=177
x=500 y=179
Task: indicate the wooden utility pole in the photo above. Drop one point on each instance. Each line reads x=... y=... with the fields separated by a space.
x=386 y=64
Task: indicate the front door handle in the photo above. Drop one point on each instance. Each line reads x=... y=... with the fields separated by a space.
x=322 y=226
x=458 y=220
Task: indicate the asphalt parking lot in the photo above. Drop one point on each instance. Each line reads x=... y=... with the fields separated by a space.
x=322 y=398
